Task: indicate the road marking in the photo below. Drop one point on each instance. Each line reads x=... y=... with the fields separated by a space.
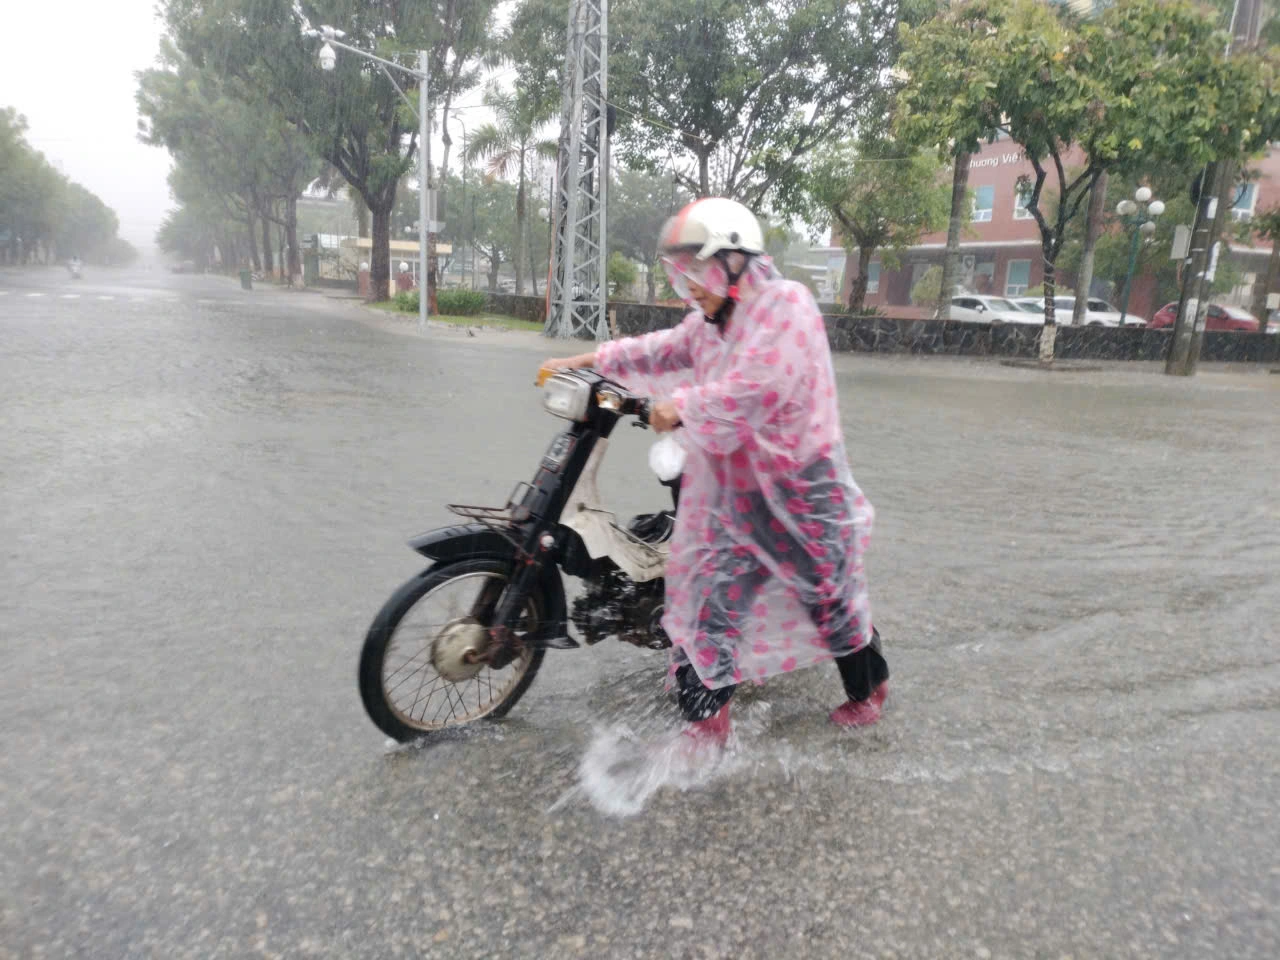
x=4 y=293
x=71 y=296
x=105 y=296
x=206 y=301
x=137 y=299
x=35 y=294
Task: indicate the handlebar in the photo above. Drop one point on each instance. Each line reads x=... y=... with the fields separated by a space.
x=632 y=405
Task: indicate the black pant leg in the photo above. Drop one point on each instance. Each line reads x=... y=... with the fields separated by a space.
x=696 y=701
x=865 y=670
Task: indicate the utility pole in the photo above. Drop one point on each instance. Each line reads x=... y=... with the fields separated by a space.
x=426 y=251
x=577 y=297
x=1217 y=185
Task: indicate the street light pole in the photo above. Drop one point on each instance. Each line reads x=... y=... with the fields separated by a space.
x=424 y=171
x=328 y=60
x=1136 y=214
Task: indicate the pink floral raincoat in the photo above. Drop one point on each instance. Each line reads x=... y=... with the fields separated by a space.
x=766 y=572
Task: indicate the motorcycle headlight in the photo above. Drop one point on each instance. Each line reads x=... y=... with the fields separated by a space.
x=567 y=397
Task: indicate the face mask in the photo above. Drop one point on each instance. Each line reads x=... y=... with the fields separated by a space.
x=683 y=268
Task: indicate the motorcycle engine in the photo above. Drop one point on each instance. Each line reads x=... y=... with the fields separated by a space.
x=616 y=606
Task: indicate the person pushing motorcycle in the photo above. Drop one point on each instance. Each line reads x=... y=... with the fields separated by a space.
x=766 y=572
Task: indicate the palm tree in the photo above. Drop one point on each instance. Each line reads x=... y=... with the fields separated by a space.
x=508 y=145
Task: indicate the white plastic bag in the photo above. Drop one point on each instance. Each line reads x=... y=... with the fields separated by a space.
x=666 y=457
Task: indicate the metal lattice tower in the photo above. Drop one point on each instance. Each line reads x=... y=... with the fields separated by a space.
x=576 y=307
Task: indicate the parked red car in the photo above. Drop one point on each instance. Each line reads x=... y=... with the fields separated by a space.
x=1220 y=318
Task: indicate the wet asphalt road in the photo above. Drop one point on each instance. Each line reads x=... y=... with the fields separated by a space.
x=204 y=499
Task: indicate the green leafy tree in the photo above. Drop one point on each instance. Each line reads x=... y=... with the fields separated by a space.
x=620 y=274
x=639 y=204
x=877 y=201
x=231 y=141
x=535 y=42
x=43 y=215
x=485 y=217
x=738 y=92
x=353 y=117
x=1267 y=225
x=1127 y=89
x=1112 y=247
x=86 y=226
x=926 y=292
x=508 y=146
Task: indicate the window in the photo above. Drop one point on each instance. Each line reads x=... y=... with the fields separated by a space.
x=873 y=278
x=1243 y=209
x=1021 y=197
x=1017 y=278
x=984 y=199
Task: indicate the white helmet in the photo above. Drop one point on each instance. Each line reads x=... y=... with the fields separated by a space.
x=708 y=226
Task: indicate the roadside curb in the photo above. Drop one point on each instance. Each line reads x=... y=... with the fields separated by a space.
x=1056 y=366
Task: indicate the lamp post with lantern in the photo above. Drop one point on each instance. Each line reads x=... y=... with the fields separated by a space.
x=1138 y=215
x=328 y=58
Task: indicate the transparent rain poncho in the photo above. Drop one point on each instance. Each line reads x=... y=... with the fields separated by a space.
x=766 y=572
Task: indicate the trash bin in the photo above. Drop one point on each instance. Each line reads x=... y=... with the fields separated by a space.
x=246 y=280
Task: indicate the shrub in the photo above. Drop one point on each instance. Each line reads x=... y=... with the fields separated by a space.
x=927 y=291
x=406 y=301
x=458 y=303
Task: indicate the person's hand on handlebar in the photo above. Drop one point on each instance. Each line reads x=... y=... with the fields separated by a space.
x=664 y=417
x=579 y=362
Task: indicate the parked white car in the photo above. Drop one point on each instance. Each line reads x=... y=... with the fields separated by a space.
x=973 y=308
x=1099 y=313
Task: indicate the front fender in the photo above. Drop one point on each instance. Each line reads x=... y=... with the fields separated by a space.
x=470 y=541
x=466 y=541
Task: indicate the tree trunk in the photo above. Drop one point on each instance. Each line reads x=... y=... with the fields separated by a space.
x=951 y=259
x=1093 y=218
x=651 y=283
x=380 y=260
x=1048 y=335
x=533 y=268
x=522 y=255
x=291 y=233
x=268 y=267
x=495 y=264
x=252 y=237
x=1262 y=286
x=280 y=247
x=704 y=175
x=858 y=289
x=362 y=214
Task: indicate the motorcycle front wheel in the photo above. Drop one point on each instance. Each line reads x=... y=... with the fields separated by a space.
x=415 y=674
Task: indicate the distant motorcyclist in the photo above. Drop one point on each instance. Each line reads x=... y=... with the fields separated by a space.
x=74 y=266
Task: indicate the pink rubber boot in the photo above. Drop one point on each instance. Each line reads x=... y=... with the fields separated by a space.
x=713 y=731
x=861 y=713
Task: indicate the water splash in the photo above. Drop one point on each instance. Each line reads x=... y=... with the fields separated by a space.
x=625 y=764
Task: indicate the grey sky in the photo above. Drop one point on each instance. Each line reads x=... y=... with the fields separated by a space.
x=77 y=95
x=76 y=86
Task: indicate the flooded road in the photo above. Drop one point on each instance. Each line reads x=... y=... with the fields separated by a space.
x=205 y=496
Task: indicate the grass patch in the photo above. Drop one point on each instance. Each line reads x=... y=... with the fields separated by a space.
x=483 y=320
x=492 y=320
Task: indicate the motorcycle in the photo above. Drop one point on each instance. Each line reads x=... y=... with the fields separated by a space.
x=73 y=268
x=464 y=639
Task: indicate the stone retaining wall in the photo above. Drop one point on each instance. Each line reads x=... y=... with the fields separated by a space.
x=893 y=335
